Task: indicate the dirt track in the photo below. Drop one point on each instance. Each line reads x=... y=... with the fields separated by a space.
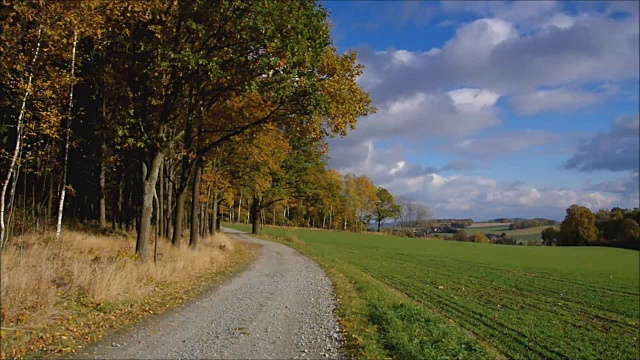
x=282 y=306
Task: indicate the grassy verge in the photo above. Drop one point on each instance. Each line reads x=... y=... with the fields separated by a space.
x=380 y=322
x=59 y=296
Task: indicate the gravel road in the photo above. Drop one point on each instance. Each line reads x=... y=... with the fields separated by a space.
x=282 y=306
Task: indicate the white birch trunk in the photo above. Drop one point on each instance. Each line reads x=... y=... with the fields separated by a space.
x=63 y=191
x=18 y=146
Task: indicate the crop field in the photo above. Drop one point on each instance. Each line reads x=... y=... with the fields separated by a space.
x=414 y=298
x=487 y=224
x=497 y=229
x=533 y=233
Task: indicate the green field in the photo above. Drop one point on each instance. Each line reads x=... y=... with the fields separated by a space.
x=412 y=298
x=534 y=233
x=487 y=229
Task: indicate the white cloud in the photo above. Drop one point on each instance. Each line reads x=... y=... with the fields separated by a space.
x=562 y=99
x=530 y=54
x=617 y=149
x=471 y=100
x=628 y=186
x=559 y=20
x=473 y=44
x=504 y=143
x=403 y=57
x=422 y=116
x=494 y=54
x=455 y=195
x=381 y=165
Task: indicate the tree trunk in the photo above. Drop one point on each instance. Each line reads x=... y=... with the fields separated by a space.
x=34 y=214
x=204 y=212
x=150 y=178
x=63 y=190
x=12 y=195
x=253 y=215
x=50 y=200
x=240 y=208
x=161 y=201
x=167 y=220
x=178 y=217
x=218 y=215
x=181 y=194
x=156 y=205
x=214 y=214
x=195 y=206
x=121 y=204
x=331 y=217
x=18 y=146
x=103 y=176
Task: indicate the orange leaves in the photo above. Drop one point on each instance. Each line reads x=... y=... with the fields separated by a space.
x=345 y=100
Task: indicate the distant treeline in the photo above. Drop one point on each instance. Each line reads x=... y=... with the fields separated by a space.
x=454 y=223
x=521 y=223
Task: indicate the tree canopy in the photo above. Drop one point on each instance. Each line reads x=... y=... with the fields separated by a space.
x=578 y=227
x=150 y=113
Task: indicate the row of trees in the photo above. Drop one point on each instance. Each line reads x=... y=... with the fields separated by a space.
x=323 y=199
x=155 y=114
x=582 y=227
x=520 y=223
x=529 y=223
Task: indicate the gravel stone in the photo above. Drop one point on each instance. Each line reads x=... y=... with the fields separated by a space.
x=281 y=307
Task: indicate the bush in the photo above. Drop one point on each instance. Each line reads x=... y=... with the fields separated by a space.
x=460 y=235
x=480 y=238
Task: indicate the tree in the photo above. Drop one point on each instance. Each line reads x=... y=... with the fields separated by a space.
x=480 y=238
x=385 y=206
x=550 y=236
x=460 y=235
x=630 y=231
x=26 y=89
x=578 y=227
x=423 y=214
x=203 y=68
x=171 y=110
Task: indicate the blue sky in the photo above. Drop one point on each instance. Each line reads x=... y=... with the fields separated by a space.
x=495 y=109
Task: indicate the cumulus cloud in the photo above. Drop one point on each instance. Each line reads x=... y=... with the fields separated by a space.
x=485 y=197
x=625 y=186
x=562 y=99
x=381 y=165
x=502 y=143
x=529 y=55
x=615 y=150
x=456 y=113
x=494 y=54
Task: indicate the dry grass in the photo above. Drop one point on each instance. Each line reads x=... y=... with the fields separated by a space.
x=293 y=239
x=38 y=274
